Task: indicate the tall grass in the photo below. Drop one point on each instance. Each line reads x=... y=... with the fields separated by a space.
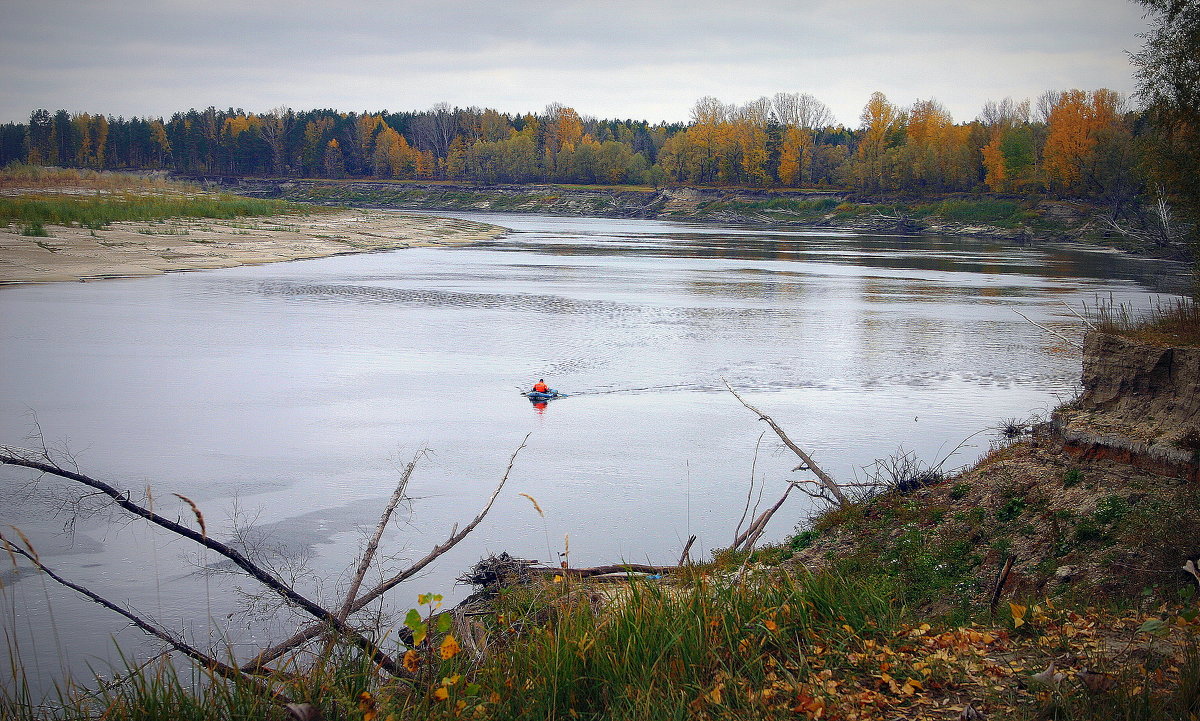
x=1163 y=323
x=822 y=645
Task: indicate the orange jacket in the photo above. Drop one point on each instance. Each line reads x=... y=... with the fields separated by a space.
x=540 y=387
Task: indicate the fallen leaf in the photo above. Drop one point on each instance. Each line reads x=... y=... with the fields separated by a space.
x=1049 y=676
x=970 y=713
x=1018 y=613
x=410 y=661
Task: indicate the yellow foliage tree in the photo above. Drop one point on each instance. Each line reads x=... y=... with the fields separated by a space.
x=880 y=120
x=1078 y=122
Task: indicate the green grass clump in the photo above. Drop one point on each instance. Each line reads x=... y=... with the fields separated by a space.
x=1003 y=213
x=792 y=207
x=98 y=211
x=35 y=229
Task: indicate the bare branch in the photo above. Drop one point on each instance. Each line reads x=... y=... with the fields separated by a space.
x=47 y=465
x=310 y=632
x=1048 y=330
x=749 y=491
x=684 y=557
x=808 y=461
x=188 y=650
x=373 y=545
x=1086 y=322
x=751 y=535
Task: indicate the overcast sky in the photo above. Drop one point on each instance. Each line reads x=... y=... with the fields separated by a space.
x=639 y=59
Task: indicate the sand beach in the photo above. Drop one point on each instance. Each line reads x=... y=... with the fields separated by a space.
x=130 y=249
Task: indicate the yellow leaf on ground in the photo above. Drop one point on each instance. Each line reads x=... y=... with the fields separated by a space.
x=1018 y=613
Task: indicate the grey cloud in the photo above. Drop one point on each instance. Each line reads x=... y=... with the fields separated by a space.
x=622 y=58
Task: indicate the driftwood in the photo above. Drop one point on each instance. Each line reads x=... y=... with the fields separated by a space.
x=829 y=484
x=602 y=570
x=1001 y=579
x=252 y=569
x=326 y=621
x=746 y=540
x=685 y=556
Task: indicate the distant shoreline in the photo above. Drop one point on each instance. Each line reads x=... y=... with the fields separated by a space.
x=133 y=249
x=1020 y=218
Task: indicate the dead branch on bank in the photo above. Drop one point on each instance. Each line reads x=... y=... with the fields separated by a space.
x=1055 y=333
x=830 y=485
x=746 y=540
x=327 y=622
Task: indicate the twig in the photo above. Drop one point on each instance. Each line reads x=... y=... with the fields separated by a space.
x=1001 y=578
x=808 y=461
x=373 y=545
x=747 y=540
x=749 y=491
x=1048 y=330
x=310 y=632
x=1086 y=322
x=369 y=552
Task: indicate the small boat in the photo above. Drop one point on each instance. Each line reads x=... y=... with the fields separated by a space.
x=540 y=396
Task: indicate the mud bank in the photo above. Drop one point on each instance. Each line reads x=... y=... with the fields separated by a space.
x=1140 y=404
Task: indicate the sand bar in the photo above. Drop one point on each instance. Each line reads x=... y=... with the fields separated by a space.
x=129 y=249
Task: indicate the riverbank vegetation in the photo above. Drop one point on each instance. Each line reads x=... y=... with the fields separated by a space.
x=35 y=197
x=719 y=644
x=1165 y=323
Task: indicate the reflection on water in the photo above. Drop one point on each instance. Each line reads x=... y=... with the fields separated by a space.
x=283 y=398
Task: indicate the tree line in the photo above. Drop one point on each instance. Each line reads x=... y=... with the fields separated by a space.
x=1072 y=143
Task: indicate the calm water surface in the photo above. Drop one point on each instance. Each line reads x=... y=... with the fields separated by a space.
x=284 y=398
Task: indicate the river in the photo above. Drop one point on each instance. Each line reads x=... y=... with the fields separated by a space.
x=283 y=399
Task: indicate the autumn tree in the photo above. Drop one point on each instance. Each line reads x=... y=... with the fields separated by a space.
x=333 y=162
x=313 y=148
x=160 y=143
x=275 y=127
x=1086 y=143
x=1010 y=156
x=562 y=131
x=935 y=153
x=748 y=133
x=800 y=116
x=880 y=122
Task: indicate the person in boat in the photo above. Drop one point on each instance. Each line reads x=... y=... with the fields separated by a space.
x=541 y=387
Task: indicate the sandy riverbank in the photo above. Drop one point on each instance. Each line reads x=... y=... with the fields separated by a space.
x=130 y=249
